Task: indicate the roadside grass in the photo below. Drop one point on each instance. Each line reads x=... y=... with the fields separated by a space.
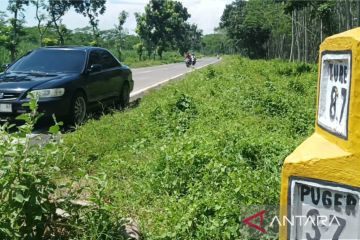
x=195 y=153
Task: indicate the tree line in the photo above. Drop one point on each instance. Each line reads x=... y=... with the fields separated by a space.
x=162 y=27
x=286 y=29
x=49 y=14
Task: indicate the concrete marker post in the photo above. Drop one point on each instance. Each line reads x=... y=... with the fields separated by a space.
x=321 y=178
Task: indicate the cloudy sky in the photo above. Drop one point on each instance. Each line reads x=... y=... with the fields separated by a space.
x=205 y=13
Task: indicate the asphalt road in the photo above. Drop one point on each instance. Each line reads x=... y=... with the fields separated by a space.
x=149 y=77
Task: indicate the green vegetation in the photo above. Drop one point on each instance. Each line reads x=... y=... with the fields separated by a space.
x=195 y=153
x=186 y=164
x=217 y=43
x=286 y=29
x=35 y=203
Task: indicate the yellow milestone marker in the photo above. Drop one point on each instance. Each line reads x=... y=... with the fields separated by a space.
x=320 y=188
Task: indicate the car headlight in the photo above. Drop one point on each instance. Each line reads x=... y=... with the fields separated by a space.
x=47 y=93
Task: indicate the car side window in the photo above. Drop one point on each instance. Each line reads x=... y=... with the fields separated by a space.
x=108 y=61
x=94 y=58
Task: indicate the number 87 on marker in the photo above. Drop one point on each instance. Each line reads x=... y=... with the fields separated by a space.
x=335 y=83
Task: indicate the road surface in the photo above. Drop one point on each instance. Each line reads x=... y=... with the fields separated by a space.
x=149 y=77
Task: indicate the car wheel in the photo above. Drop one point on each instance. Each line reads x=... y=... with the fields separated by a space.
x=78 y=109
x=124 y=96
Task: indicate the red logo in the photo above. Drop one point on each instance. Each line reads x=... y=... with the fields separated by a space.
x=248 y=221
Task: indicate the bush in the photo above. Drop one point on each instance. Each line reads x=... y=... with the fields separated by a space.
x=32 y=203
x=49 y=42
x=303 y=68
x=297 y=86
x=294 y=69
x=26 y=185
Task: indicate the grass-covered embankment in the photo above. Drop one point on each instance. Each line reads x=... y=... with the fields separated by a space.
x=192 y=154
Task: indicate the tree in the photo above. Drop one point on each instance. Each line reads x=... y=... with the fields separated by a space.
x=5 y=31
x=41 y=18
x=231 y=19
x=139 y=48
x=216 y=43
x=120 y=33
x=144 y=32
x=81 y=36
x=16 y=7
x=3 y=28
x=312 y=21
x=56 y=10
x=190 y=40
x=91 y=9
x=291 y=29
x=245 y=25
x=162 y=24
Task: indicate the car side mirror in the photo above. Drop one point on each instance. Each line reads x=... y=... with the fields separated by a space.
x=95 y=68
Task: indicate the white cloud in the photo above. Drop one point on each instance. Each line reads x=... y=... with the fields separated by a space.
x=205 y=13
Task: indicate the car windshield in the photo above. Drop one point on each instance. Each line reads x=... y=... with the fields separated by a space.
x=51 y=61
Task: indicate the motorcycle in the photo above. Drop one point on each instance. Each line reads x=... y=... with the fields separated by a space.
x=188 y=62
x=191 y=61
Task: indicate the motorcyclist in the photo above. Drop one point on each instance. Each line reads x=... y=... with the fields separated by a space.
x=193 y=59
x=188 y=59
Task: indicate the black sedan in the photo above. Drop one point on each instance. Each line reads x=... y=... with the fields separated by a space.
x=67 y=80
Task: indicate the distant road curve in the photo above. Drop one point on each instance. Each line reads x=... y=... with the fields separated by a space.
x=150 y=77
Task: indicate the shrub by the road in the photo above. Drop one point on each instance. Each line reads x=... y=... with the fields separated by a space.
x=35 y=203
x=193 y=154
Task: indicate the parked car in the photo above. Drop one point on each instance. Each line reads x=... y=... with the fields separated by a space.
x=69 y=81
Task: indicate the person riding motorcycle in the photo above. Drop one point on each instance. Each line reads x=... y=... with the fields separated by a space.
x=188 y=59
x=193 y=59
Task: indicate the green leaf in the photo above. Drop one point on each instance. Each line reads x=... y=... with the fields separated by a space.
x=33 y=104
x=54 y=129
x=19 y=198
x=24 y=117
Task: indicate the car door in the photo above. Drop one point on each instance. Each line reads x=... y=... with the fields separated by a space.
x=97 y=82
x=114 y=73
